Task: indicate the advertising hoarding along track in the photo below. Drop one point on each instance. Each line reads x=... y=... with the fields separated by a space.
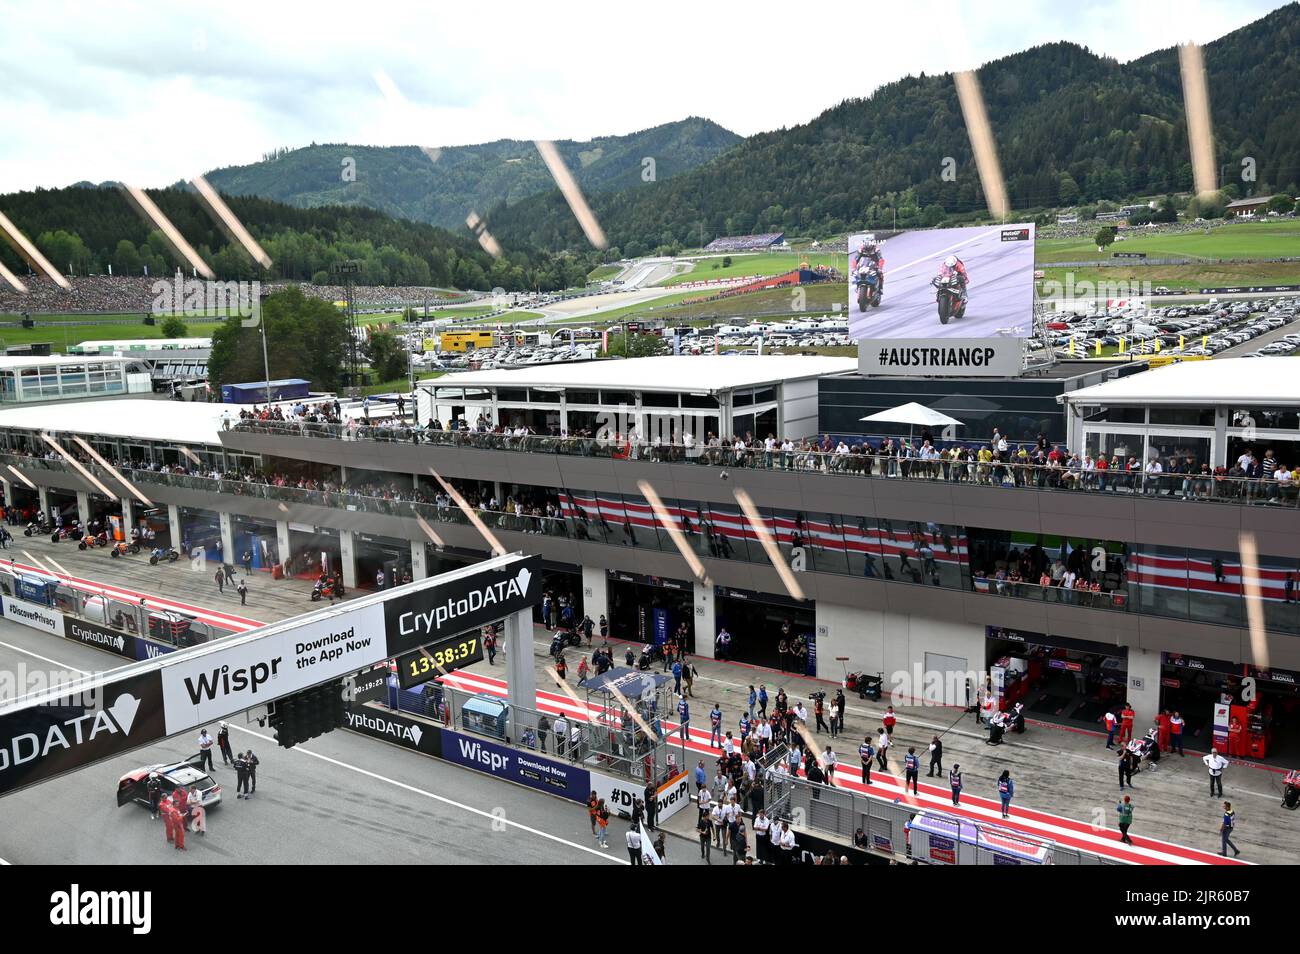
x=48 y=734
x=421 y=617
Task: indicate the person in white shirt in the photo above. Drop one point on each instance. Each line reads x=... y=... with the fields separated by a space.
x=205 y=750
x=561 y=729
x=801 y=711
x=787 y=453
x=787 y=843
x=705 y=800
x=829 y=761
x=882 y=749
x=769 y=445
x=1215 y=763
x=1153 y=472
x=719 y=828
x=634 y=845
x=762 y=835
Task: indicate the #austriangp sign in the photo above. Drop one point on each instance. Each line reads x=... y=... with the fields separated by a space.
x=456 y=605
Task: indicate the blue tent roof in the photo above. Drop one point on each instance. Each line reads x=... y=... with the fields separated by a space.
x=630 y=682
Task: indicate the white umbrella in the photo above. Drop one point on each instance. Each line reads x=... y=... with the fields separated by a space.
x=912 y=414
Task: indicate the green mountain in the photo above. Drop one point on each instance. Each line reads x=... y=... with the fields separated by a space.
x=442 y=186
x=93 y=227
x=1070 y=127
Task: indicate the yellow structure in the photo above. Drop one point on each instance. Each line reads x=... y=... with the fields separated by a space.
x=467 y=340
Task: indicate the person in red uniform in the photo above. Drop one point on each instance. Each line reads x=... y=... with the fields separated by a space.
x=169 y=819
x=1163 y=730
x=1126 y=718
x=889 y=720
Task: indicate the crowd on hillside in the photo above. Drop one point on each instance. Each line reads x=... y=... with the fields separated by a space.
x=134 y=294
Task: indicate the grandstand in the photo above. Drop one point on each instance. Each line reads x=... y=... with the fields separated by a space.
x=746 y=243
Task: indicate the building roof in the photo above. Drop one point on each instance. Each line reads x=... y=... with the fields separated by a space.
x=177 y=422
x=11 y=362
x=1253 y=200
x=681 y=373
x=1248 y=381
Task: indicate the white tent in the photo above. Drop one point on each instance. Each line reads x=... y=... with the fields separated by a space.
x=913 y=414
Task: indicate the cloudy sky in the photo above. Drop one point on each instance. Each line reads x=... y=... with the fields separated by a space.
x=151 y=92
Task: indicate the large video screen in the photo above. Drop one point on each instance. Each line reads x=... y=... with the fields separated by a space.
x=945 y=283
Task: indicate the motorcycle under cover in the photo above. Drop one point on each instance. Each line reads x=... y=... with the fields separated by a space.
x=459 y=605
x=38 y=742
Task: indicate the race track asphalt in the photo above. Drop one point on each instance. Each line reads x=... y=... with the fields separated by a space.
x=340 y=799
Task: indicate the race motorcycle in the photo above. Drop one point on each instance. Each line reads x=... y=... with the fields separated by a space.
x=69 y=530
x=90 y=541
x=37 y=528
x=121 y=548
x=324 y=589
x=950 y=295
x=867 y=280
x=163 y=553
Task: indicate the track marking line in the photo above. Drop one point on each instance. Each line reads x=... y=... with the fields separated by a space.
x=440 y=798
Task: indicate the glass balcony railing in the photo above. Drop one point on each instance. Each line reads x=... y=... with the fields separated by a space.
x=853 y=463
x=908 y=553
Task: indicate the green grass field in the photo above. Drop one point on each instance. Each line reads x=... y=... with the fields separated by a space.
x=1243 y=240
x=1185 y=277
x=764 y=263
x=602 y=272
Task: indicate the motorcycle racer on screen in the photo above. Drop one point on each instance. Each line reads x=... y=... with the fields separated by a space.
x=950 y=289
x=868 y=271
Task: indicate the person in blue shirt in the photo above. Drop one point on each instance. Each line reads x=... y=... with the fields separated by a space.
x=684 y=718
x=753 y=698
x=1225 y=831
x=701 y=776
x=715 y=727
x=911 y=769
x=677 y=678
x=744 y=726
x=866 y=752
x=762 y=701
x=1006 y=789
x=954 y=779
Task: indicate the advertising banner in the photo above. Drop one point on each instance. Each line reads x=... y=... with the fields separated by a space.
x=38 y=742
x=380 y=723
x=535 y=771
x=100 y=637
x=35 y=615
x=942 y=301
x=618 y=793
x=214 y=684
x=458 y=605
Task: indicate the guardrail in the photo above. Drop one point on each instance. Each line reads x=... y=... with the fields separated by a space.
x=842 y=549
x=856 y=462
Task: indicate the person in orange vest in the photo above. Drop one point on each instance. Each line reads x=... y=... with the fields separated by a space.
x=1126 y=718
x=1111 y=725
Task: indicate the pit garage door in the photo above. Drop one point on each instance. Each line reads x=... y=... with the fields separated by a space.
x=945 y=680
